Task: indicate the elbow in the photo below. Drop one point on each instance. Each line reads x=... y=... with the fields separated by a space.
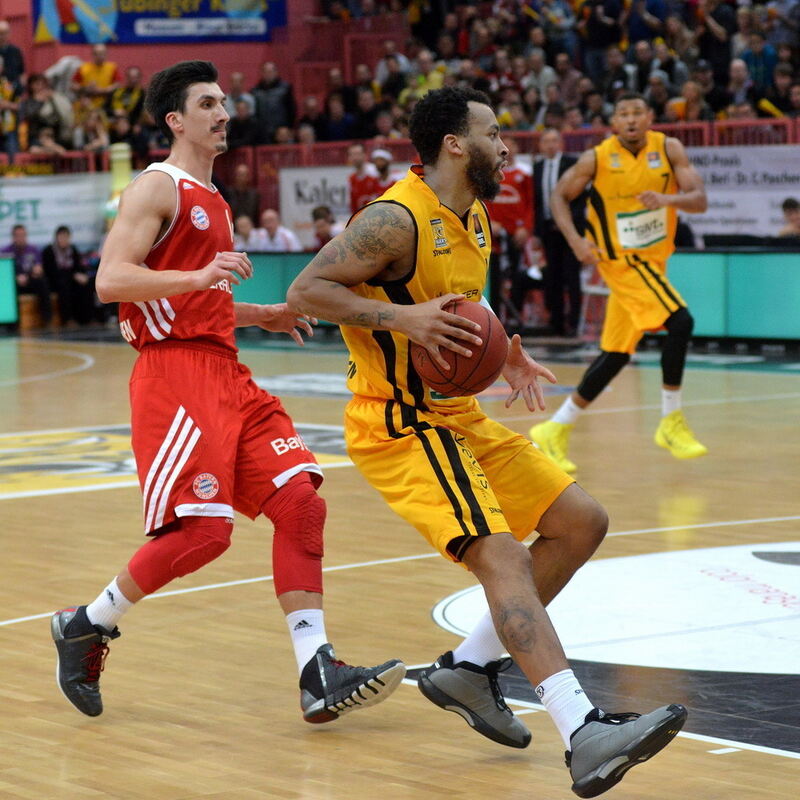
x=105 y=292
x=294 y=296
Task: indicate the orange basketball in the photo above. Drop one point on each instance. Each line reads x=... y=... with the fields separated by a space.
x=466 y=376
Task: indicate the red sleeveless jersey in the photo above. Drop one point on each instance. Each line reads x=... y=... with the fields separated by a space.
x=200 y=229
x=363 y=188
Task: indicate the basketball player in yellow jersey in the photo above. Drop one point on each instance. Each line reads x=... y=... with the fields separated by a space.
x=472 y=487
x=639 y=179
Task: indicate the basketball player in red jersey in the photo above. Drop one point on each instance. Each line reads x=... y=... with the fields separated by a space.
x=207 y=440
x=363 y=179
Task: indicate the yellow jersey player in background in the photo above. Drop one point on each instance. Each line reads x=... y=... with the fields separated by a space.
x=472 y=487
x=638 y=179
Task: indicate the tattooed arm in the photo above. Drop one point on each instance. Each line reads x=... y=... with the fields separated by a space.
x=379 y=242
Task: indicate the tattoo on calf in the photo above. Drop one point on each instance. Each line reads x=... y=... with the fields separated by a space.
x=516 y=627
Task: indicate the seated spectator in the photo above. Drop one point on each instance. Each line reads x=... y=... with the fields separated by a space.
x=306 y=134
x=246 y=237
x=619 y=76
x=237 y=92
x=745 y=25
x=791 y=216
x=364 y=126
x=396 y=80
x=121 y=130
x=539 y=75
x=47 y=144
x=679 y=39
x=364 y=80
x=97 y=78
x=313 y=116
x=716 y=96
x=242 y=127
x=278 y=238
x=690 y=106
x=425 y=77
x=449 y=60
x=41 y=107
x=337 y=86
x=128 y=99
x=658 y=95
x=677 y=72
x=794 y=101
x=391 y=53
x=595 y=106
x=643 y=63
x=67 y=275
x=325 y=226
x=283 y=135
x=384 y=122
x=9 y=104
x=779 y=94
x=11 y=55
x=741 y=88
x=573 y=119
x=244 y=199
x=92 y=135
x=761 y=60
x=567 y=79
x=28 y=270
x=338 y=124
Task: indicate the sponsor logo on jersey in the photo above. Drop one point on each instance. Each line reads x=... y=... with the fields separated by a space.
x=200 y=218
x=654 y=160
x=615 y=161
x=479 y=231
x=205 y=486
x=282 y=446
x=439 y=239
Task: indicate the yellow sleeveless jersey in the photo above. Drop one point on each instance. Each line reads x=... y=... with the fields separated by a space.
x=615 y=219
x=451 y=256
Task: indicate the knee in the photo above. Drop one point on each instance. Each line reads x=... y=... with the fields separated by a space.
x=680 y=324
x=594 y=527
x=497 y=556
x=298 y=514
x=205 y=539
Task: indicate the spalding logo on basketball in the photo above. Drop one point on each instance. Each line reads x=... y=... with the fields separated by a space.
x=200 y=218
x=205 y=486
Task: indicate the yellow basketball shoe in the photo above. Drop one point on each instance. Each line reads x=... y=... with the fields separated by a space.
x=552 y=438
x=674 y=434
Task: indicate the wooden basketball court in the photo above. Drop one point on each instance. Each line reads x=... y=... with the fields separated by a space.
x=201 y=690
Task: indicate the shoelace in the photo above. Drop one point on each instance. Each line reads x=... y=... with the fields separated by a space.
x=618 y=719
x=95 y=661
x=493 y=668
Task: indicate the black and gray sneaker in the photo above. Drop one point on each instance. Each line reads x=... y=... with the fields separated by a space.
x=474 y=693
x=330 y=688
x=606 y=746
x=82 y=650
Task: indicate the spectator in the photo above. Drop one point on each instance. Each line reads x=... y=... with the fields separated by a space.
x=558 y=23
x=313 y=116
x=791 y=216
x=573 y=119
x=121 y=130
x=395 y=82
x=386 y=178
x=619 y=76
x=244 y=198
x=364 y=126
x=425 y=77
x=595 y=106
x=306 y=134
x=567 y=78
x=9 y=104
x=325 y=226
x=242 y=127
x=643 y=62
x=336 y=85
x=92 y=134
x=690 y=106
x=716 y=96
x=247 y=237
x=740 y=87
x=128 y=98
x=283 y=135
x=237 y=92
x=43 y=108
x=449 y=60
x=11 y=55
x=277 y=238
x=533 y=104
x=783 y=17
x=552 y=106
x=540 y=75
x=46 y=144
x=362 y=180
x=66 y=274
x=28 y=270
x=794 y=101
x=600 y=29
x=364 y=80
x=390 y=53
x=715 y=29
x=761 y=60
x=745 y=25
x=779 y=94
x=646 y=20
x=514 y=117
x=680 y=40
x=338 y=123
x=384 y=122
x=275 y=106
x=98 y=78
x=677 y=72
x=657 y=95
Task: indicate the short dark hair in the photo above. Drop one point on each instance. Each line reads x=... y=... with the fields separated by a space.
x=321 y=212
x=790 y=204
x=17 y=227
x=630 y=96
x=169 y=89
x=62 y=229
x=439 y=113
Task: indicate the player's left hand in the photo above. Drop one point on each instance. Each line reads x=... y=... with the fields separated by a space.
x=652 y=200
x=522 y=374
x=278 y=318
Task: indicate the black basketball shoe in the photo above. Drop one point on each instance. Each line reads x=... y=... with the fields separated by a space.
x=330 y=688
x=82 y=650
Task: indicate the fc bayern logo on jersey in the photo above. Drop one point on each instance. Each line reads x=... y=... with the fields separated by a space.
x=205 y=486
x=200 y=218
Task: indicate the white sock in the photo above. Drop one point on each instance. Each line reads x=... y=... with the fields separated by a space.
x=568 y=413
x=565 y=701
x=109 y=607
x=670 y=401
x=482 y=645
x=307 y=629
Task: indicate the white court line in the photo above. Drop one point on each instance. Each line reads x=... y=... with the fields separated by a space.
x=87 y=363
x=729 y=745
x=723 y=750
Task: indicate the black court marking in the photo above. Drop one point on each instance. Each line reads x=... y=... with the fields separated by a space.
x=788 y=558
x=756 y=709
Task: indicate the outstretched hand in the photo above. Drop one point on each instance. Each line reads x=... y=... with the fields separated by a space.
x=522 y=374
x=278 y=318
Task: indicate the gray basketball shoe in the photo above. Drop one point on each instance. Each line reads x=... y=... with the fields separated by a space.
x=474 y=693
x=82 y=649
x=606 y=746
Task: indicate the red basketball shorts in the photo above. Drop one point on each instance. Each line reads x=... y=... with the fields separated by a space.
x=206 y=439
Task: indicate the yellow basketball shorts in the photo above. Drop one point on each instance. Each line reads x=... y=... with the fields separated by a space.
x=641 y=300
x=451 y=473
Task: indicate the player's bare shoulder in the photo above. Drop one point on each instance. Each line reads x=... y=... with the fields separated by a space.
x=152 y=193
x=382 y=228
x=676 y=152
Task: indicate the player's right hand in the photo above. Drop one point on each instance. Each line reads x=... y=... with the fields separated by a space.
x=429 y=325
x=230 y=266
x=586 y=251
